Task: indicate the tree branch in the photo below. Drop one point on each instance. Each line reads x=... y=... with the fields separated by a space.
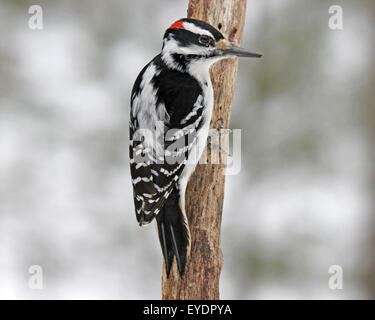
x=205 y=192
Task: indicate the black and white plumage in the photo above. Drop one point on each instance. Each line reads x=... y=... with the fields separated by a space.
x=171 y=109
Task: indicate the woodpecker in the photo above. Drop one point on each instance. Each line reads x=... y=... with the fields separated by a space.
x=171 y=109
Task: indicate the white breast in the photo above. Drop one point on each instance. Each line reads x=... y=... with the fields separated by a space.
x=200 y=71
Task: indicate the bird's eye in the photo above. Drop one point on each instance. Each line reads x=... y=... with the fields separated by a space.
x=206 y=40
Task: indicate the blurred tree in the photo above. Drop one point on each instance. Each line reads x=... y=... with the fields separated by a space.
x=369 y=117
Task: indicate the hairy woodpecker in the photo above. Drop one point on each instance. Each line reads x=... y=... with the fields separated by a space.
x=171 y=108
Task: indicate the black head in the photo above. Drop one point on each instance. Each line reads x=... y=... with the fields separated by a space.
x=191 y=40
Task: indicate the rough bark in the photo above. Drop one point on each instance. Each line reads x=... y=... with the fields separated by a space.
x=205 y=192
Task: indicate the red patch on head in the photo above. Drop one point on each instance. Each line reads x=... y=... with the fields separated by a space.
x=177 y=25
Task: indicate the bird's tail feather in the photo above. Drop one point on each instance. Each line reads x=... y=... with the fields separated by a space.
x=173 y=234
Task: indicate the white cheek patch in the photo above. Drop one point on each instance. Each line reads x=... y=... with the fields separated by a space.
x=195 y=50
x=193 y=28
x=171 y=46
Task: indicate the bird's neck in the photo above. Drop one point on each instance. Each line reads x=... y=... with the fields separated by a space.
x=175 y=61
x=199 y=68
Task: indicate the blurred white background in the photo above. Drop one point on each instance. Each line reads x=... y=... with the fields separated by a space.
x=302 y=202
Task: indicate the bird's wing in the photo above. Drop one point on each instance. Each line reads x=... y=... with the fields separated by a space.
x=158 y=155
x=152 y=183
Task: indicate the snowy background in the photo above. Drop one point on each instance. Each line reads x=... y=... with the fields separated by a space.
x=303 y=200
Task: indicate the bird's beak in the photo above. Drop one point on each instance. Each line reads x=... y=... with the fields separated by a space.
x=240 y=52
x=224 y=47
